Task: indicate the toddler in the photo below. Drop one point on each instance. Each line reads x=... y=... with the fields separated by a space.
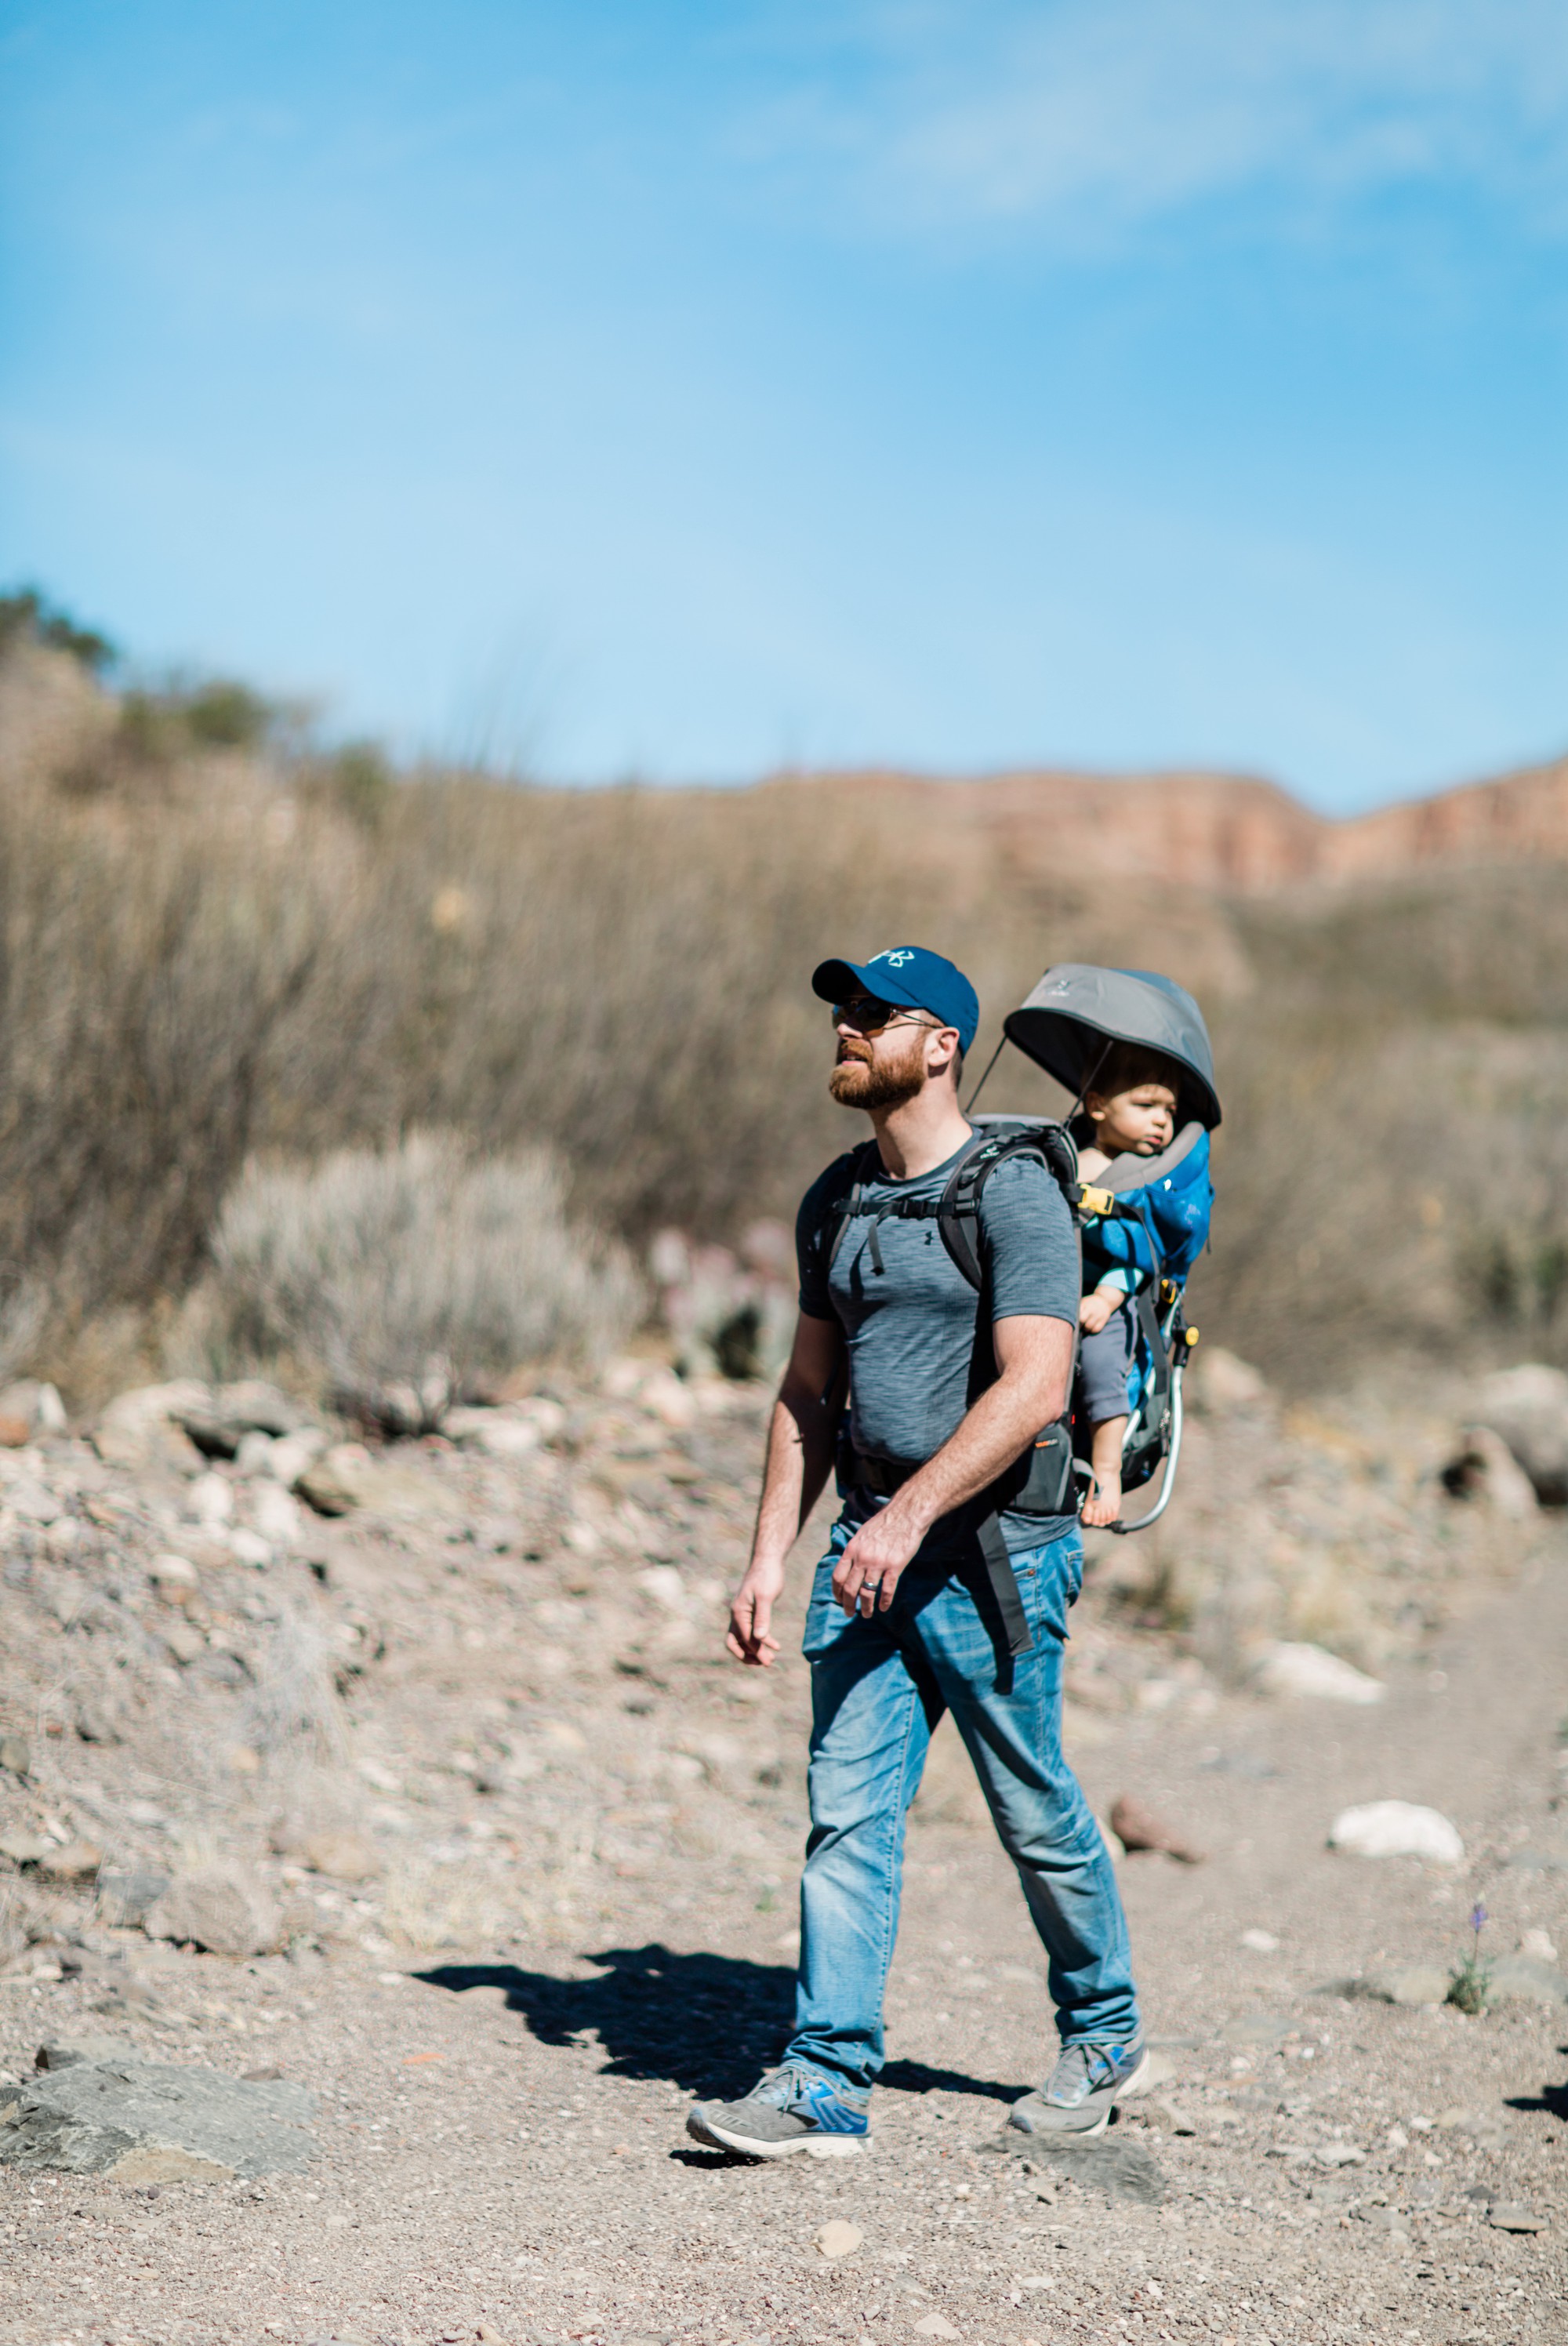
x=1132 y=1110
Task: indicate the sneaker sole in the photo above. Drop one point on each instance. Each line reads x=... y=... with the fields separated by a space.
x=814 y=2146
x=1138 y=2083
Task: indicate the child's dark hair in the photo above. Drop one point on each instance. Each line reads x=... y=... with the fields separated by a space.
x=1127 y=1064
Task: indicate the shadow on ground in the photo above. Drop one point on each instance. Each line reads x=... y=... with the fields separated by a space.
x=706 y=2022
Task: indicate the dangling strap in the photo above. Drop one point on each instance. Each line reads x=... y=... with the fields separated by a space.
x=1004 y=1585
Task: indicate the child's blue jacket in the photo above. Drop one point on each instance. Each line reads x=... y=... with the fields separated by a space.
x=1176 y=1205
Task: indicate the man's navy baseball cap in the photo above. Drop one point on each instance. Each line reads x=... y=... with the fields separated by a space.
x=910 y=976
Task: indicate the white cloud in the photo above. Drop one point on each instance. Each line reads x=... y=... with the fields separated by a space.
x=1089 y=117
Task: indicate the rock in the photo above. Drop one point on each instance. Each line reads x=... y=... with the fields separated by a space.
x=343 y=1855
x=224 y=1909
x=68 y=2052
x=23 y=1848
x=1521 y=1979
x=219 y=1424
x=79 y=1860
x=15 y=1432
x=138 y=2121
x=1410 y=1984
x=276 y=1515
x=1396 y=1828
x=1173 y=2115
x=210 y=1500
x=1537 y=1945
x=936 y=2325
x=1261 y=1942
x=1528 y=1406
x=1311 y=1673
x=1483 y=1467
x=16 y=1754
x=1255 y=2029
x=347 y=1477
x=292 y=1454
x=126 y=1896
x=184 y=1641
x=172 y=1575
x=838 y=2238
x=1508 y=2216
x=143 y=1427
x=1137 y=1828
x=1121 y=2169
x=38 y=1406
x=497 y=1433
x=1219 y=1382
x=251 y=1548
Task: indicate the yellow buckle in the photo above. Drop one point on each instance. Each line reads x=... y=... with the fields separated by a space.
x=1096 y=1201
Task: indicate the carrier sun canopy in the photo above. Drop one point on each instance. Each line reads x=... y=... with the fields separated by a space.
x=1077 y=1010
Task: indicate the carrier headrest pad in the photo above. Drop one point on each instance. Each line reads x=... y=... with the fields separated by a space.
x=1078 y=1009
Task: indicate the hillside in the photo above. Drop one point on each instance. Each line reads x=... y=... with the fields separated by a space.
x=218 y=941
x=1231 y=834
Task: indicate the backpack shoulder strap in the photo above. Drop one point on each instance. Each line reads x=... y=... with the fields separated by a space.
x=861 y=1164
x=958 y=1216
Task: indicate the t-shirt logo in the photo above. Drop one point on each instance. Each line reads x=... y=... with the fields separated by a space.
x=894 y=959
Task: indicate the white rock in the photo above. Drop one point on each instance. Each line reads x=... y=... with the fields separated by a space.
x=211 y=1500
x=254 y=1456
x=276 y=1516
x=1483 y=1467
x=1115 y=1848
x=1396 y=1828
x=293 y=1454
x=1223 y=1382
x=248 y=1547
x=664 y=1584
x=1262 y=1942
x=1311 y=1673
x=936 y=2325
x=497 y=1433
x=1528 y=1406
x=173 y=1572
x=1538 y=1946
x=838 y=2239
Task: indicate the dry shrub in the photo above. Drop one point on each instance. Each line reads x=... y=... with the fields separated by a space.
x=208 y=958
x=402 y=1276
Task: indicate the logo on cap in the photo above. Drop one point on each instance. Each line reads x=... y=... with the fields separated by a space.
x=894 y=959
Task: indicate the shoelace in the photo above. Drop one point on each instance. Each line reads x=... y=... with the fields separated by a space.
x=1100 y=2058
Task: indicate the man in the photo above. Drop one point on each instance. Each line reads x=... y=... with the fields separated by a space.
x=947 y=1394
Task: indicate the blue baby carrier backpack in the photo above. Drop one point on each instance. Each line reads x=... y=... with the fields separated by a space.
x=1148 y=1214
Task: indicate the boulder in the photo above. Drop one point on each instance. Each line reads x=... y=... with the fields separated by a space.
x=1528 y=1406
x=34 y=1406
x=225 y=1909
x=143 y=1427
x=1396 y=1828
x=220 y=1423
x=1219 y=1382
x=1483 y=1467
x=347 y=1477
x=1312 y=1673
x=97 y=2108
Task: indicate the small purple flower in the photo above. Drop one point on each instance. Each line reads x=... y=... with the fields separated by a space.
x=1478 y=1920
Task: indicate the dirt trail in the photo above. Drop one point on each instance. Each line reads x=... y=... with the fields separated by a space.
x=500 y=2137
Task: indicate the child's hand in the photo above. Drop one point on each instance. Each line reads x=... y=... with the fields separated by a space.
x=1096 y=1309
x=1105 y=1503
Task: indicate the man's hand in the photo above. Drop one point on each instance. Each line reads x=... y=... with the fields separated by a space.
x=799 y=1454
x=867 y=1572
x=749 y=1638
x=1095 y=1310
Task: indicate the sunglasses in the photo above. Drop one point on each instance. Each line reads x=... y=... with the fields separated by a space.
x=868 y=1016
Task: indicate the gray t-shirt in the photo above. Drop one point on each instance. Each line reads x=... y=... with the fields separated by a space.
x=911 y=1327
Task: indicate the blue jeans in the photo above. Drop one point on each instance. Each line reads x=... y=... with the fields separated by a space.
x=879 y=1688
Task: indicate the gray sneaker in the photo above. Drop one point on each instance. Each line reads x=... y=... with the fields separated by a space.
x=1083 y=2089
x=791 y=2110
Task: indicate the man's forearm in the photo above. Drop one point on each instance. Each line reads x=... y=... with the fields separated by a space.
x=997 y=1429
x=799 y=1454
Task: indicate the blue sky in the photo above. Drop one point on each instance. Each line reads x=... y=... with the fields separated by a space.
x=686 y=390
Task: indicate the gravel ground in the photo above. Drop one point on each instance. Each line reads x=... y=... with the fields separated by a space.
x=586 y=1831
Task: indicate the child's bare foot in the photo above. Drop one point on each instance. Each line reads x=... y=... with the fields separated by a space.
x=1104 y=1505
